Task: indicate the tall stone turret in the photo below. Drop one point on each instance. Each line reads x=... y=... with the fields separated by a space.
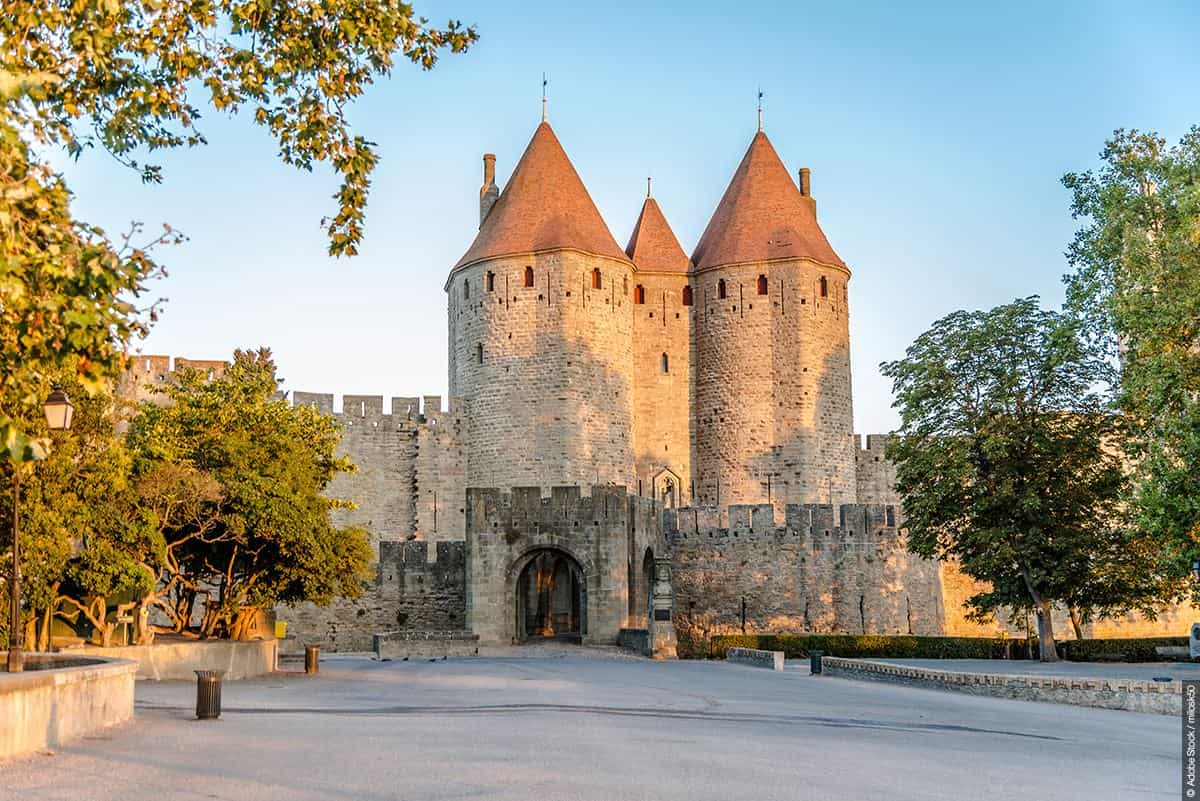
x=773 y=415
x=662 y=373
x=540 y=340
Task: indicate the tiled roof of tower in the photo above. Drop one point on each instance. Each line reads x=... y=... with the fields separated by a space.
x=545 y=206
x=653 y=245
x=762 y=216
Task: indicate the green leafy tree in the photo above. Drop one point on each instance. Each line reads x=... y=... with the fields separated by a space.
x=132 y=78
x=1137 y=285
x=1006 y=464
x=245 y=474
x=85 y=546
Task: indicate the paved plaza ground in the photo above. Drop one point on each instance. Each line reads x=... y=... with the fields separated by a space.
x=570 y=726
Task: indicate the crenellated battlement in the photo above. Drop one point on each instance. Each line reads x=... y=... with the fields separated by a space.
x=525 y=506
x=425 y=409
x=853 y=525
x=871 y=445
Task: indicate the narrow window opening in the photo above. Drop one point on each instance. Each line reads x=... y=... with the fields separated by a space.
x=666 y=364
x=596 y=278
x=687 y=296
x=824 y=287
x=529 y=276
x=479 y=353
x=491 y=282
x=639 y=295
x=721 y=289
x=762 y=285
x=466 y=288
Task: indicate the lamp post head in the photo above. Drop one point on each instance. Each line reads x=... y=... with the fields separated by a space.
x=58 y=410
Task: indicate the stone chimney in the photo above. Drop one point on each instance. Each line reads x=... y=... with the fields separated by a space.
x=489 y=191
x=806 y=182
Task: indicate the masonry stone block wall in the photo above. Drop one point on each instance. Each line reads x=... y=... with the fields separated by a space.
x=772 y=406
x=662 y=376
x=546 y=369
x=505 y=530
x=409 y=491
x=822 y=568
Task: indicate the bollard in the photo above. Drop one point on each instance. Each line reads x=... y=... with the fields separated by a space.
x=208 y=694
x=814 y=661
x=312 y=658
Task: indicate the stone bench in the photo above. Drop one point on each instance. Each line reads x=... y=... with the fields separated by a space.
x=424 y=644
x=772 y=660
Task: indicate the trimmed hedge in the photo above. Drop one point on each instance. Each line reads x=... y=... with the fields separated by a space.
x=1139 y=649
x=797 y=646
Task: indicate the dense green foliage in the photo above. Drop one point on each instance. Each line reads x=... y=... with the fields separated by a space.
x=1008 y=462
x=798 y=646
x=1137 y=286
x=85 y=546
x=212 y=507
x=234 y=478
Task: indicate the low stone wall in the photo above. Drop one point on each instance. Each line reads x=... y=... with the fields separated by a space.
x=425 y=644
x=178 y=659
x=636 y=640
x=1132 y=695
x=42 y=709
x=773 y=660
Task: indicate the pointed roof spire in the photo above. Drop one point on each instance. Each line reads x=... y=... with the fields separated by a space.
x=545 y=206
x=760 y=97
x=544 y=82
x=762 y=216
x=653 y=245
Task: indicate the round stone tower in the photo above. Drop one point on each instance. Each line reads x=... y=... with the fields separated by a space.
x=540 y=338
x=772 y=346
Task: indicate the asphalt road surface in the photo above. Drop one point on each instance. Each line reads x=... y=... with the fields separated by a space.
x=573 y=727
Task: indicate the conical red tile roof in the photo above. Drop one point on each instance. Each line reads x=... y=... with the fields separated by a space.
x=762 y=216
x=544 y=207
x=653 y=245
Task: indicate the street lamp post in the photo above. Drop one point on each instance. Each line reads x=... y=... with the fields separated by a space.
x=59 y=412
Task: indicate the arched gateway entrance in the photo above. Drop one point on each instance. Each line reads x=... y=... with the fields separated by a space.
x=551 y=597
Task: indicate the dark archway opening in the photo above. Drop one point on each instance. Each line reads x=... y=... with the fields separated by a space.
x=648 y=578
x=551 y=598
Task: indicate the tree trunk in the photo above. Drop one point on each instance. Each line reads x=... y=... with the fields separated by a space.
x=1043 y=607
x=1076 y=621
x=1046 y=646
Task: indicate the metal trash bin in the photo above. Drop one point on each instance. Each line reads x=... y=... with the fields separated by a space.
x=814 y=661
x=312 y=659
x=208 y=694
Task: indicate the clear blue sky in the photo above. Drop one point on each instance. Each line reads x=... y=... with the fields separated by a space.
x=936 y=134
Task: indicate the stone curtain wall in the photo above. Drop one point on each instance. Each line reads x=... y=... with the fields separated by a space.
x=662 y=419
x=876 y=475
x=772 y=386
x=546 y=370
x=418 y=586
x=827 y=569
x=505 y=529
x=409 y=490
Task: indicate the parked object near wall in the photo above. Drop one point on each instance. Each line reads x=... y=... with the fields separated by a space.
x=771 y=660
